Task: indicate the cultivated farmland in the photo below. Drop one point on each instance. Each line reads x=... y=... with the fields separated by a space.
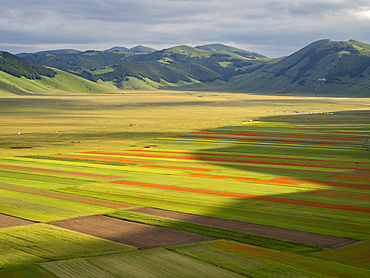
x=286 y=195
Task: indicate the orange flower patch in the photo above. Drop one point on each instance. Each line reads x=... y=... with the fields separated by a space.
x=338 y=194
x=177 y=168
x=100 y=158
x=60 y=172
x=245 y=196
x=282 y=181
x=63 y=196
x=221 y=159
x=249 y=156
x=283 y=136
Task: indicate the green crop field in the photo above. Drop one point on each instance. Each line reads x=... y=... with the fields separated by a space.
x=298 y=164
x=40 y=243
x=153 y=262
x=259 y=262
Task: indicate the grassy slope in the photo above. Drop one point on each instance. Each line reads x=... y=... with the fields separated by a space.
x=194 y=52
x=63 y=83
x=221 y=47
x=267 y=80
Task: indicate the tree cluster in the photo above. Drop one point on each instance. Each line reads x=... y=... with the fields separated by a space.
x=19 y=67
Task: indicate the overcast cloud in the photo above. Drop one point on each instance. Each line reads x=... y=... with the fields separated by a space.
x=272 y=28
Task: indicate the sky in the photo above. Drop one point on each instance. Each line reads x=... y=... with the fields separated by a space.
x=274 y=28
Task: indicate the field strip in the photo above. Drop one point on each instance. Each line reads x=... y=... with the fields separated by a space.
x=178 y=168
x=264 y=140
x=274 y=181
x=7 y=221
x=357 y=253
x=255 y=143
x=350 y=177
x=273 y=232
x=253 y=261
x=84 y=157
x=248 y=156
x=344 y=132
x=219 y=159
x=338 y=194
x=128 y=233
x=282 y=136
x=60 y=171
x=247 y=196
x=63 y=196
x=281 y=181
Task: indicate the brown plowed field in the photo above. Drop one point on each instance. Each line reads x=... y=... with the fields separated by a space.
x=273 y=232
x=128 y=233
x=7 y=221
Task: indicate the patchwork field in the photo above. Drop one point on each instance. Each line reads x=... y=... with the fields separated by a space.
x=286 y=195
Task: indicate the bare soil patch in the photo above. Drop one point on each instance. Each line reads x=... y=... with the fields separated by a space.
x=7 y=221
x=273 y=232
x=128 y=233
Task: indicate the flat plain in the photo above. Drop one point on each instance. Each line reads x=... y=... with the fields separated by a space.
x=249 y=175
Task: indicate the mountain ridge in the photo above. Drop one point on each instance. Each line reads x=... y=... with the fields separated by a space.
x=322 y=67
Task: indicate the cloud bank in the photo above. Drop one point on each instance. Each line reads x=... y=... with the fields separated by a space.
x=272 y=28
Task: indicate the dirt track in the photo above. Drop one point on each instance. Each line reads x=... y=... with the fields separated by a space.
x=129 y=233
x=279 y=233
x=7 y=221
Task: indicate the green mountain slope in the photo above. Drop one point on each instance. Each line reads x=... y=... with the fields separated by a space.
x=136 y=49
x=323 y=67
x=174 y=66
x=18 y=67
x=78 y=61
x=62 y=83
x=117 y=49
x=55 y=52
x=222 y=47
x=142 y=49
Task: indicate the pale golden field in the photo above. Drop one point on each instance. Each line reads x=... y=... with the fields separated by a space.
x=51 y=124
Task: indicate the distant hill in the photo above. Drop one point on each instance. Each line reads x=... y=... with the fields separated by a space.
x=156 y=69
x=63 y=82
x=323 y=67
x=136 y=49
x=117 y=49
x=222 y=47
x=177 y=65
x=19 y=67
x=142 y=49
x=88 y=60
x=55 y=52
x=19 y=77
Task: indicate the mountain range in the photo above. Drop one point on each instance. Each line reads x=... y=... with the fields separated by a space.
x=323 y=67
